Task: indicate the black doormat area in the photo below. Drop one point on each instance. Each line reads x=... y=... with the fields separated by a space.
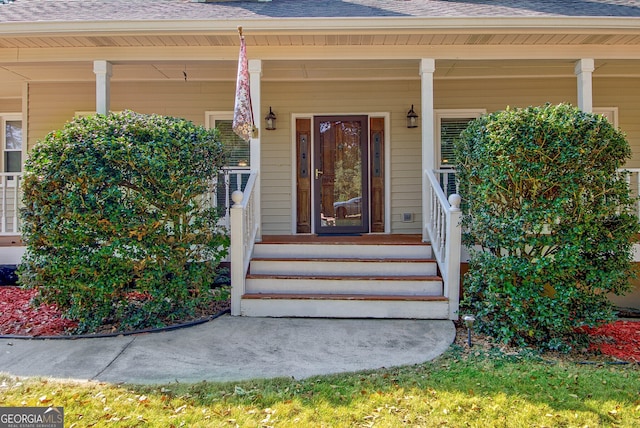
x=8 y=275
x=338 y=234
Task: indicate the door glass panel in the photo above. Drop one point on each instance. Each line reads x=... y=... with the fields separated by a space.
x=341 y=174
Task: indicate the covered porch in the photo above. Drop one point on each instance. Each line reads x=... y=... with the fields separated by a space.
x=448 y=75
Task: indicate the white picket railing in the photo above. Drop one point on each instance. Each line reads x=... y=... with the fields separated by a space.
x=447 y=180
x=222 y=186
x=244 y=230
x=443 y=228
x=228 y=181
x=10 y=202
x=632 y=175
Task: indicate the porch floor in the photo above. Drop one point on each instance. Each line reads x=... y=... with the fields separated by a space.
x=368 y=239
x=11 y=241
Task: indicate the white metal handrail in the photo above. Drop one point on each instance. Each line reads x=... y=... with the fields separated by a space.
x=244 y=230
x=443 y=228
x=10 y=202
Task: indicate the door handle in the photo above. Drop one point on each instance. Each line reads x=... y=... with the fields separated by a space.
x=318 y=173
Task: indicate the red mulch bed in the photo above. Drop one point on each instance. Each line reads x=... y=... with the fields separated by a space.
x=620 y=339
x=18 y=316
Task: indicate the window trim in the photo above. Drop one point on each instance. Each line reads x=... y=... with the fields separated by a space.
x=611 y=113
x=210 y=117
x=440 y=114
x=11 y=117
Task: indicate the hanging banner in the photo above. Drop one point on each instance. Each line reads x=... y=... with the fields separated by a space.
x=243 y=124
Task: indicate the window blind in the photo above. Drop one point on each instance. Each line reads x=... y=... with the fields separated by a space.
x=236 y=148
x=450 y=129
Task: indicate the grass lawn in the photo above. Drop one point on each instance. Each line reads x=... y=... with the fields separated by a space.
x=458 y=389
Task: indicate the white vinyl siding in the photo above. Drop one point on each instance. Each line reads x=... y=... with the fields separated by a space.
x=341 y=97
x=50 y=105
x=623 y=93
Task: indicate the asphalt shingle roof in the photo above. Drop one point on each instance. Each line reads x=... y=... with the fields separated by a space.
x=134 y=10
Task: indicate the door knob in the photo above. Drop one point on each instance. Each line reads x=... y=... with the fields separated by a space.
x=318 y=173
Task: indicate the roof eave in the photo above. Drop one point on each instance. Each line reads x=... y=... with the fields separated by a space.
x=261 y=26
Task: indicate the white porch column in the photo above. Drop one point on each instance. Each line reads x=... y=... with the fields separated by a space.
x=102 y=70
x=584 y=71
x=255 y=76
x=427 y=68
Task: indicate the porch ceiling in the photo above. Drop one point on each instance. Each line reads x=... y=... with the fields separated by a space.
x=289 y=70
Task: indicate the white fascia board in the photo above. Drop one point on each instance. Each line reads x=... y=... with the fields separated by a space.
x=329 y=26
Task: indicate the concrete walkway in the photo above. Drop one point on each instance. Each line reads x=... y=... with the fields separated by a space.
x=233 y=348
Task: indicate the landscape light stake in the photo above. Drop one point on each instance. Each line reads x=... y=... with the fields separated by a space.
x=468 y=321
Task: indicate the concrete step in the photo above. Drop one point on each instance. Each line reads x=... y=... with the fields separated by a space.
x=344 y=306
x=337 y=250
x=343 y=266
x=343 y=279
x=341 y=285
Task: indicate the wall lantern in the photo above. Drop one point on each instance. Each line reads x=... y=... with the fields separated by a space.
x=412 y=118
x=270 y=120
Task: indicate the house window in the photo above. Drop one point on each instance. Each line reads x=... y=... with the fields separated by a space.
x=449 y=125
x=11 y=138
x=237 y=150
x=236 y=172
x=450 y=129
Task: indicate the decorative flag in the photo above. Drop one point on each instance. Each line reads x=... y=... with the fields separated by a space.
x=243 y=123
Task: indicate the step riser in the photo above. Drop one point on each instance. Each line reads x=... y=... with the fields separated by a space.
x=346 y=268
x=344 y=309
x=342 y=251
x=344 y=286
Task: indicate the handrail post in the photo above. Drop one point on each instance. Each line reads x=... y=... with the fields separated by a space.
x=5 y=182
x=427 y=195
x=237 y=252
x=16 y=204
x=453 y=248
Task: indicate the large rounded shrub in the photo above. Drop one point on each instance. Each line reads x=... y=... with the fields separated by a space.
x=551 y=219
x=117 y=222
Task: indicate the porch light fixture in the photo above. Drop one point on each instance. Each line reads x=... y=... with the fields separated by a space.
x=270 y=120
x=412 y=118
x=468 y=322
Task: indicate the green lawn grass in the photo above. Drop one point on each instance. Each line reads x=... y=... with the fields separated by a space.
x=486 y=390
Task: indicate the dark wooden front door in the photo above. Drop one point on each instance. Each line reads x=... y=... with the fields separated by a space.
x=340 y=175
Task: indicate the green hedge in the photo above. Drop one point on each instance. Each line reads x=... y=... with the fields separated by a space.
x=552 y=218
x=113 y=205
